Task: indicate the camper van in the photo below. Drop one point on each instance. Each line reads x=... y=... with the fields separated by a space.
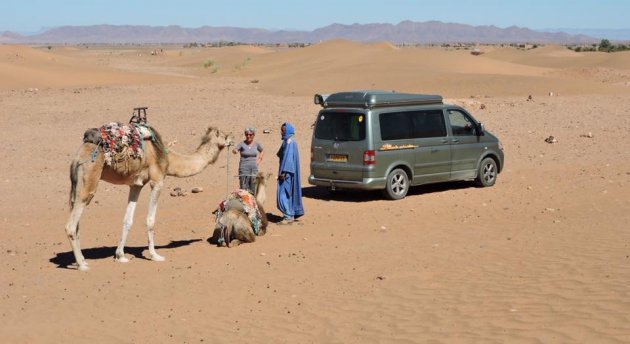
x=390 y=141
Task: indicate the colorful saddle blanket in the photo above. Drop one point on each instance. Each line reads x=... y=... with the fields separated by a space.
x=240 y=199
x=123 y=141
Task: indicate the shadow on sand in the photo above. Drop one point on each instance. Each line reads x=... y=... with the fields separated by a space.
x=64 y=259
x=326 y=194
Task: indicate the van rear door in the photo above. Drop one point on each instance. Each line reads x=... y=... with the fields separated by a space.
x=338 y=144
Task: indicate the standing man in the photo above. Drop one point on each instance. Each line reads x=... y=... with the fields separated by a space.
x=289 y=196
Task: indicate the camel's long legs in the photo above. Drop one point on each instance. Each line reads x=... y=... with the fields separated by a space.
x=79 y=245
x=73 y=234
x=85 y=173
x=134 y=192
x=156 y=188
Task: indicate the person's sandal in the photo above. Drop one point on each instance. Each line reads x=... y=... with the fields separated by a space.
x=285 y=222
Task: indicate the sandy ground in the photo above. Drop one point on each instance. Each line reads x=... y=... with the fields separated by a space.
x=541 y=257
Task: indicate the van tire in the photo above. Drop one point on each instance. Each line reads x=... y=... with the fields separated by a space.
x=487 y=173
x=397 y=184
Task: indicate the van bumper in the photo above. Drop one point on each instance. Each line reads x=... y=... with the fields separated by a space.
x=364 y=184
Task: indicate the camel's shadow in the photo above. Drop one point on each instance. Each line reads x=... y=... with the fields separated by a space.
x=64 y=259
x=273 y=218
x=326 y=194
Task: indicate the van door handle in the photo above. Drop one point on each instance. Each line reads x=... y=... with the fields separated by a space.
x=455 y=141
x=444 y=141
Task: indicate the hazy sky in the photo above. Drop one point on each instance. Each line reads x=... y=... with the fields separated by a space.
x=28 y=16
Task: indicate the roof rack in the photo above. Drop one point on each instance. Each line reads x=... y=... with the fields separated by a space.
x=373 y=98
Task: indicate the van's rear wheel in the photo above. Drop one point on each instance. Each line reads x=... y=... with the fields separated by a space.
x=487 y=174
x=397 y=184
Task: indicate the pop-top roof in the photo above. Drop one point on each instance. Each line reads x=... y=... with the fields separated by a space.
x=371 y=99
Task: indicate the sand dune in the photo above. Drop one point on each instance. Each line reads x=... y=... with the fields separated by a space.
x=308 y=70
x=357 y=66
x=23 y=67
x=225 y=58
x=541 y=257
x=620 y=60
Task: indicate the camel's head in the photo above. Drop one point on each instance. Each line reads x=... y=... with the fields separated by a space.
x=261 y=183
x=262 y=177
x=218 y=137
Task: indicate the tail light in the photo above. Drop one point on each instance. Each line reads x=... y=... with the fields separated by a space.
x=311 y=154
x=369 y=157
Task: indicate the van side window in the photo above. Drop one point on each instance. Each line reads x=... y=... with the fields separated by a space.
x=428 y=124
x=461 y=124
x=339 y=126
x=395 y=126
x=412 y=124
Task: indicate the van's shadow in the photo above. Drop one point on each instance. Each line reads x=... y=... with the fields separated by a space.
x=325 y=194
x=65 y=259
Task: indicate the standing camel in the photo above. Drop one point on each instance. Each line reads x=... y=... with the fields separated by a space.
x=234 y=224
x=92 y=163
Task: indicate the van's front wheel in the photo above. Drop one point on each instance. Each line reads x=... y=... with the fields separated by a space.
x=487 y=174
x=397 y=185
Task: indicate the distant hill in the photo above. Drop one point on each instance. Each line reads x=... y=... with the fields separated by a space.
x=611 y=34
x=403 y=32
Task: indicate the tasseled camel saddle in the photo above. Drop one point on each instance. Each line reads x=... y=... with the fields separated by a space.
x=121 y=142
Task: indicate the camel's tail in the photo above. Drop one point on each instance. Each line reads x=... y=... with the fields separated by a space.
x=226 y=233
x=74 y=177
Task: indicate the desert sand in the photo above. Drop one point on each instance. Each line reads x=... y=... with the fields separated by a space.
x=541 y=257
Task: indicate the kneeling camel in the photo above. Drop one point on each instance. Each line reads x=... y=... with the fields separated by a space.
x=234 y=225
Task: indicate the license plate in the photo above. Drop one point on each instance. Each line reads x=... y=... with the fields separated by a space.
x=337 y=158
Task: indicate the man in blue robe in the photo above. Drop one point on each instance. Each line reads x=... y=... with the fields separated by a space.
x=289 y=195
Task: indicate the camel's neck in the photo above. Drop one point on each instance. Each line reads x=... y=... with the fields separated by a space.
x=261 y=193
x=180 y=165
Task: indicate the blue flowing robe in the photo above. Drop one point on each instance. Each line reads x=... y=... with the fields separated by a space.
x=289 y=194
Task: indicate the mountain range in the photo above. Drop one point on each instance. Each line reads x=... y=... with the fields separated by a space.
x=404 y=32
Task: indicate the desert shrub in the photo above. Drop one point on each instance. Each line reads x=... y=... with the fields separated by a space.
x=582 y=48
x=606 y=46
x=243 y=64
x=208 y=63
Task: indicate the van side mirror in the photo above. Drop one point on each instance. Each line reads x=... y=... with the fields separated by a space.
x=318 y=99
x=480 y=129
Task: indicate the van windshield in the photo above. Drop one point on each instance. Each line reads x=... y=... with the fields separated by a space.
x=340 y=126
